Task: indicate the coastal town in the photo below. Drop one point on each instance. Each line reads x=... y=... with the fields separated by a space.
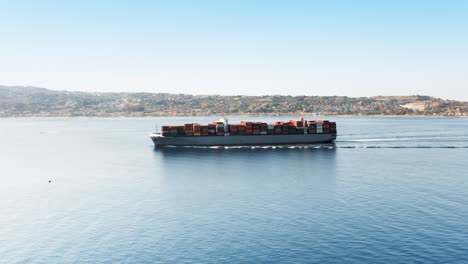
x=18 y=101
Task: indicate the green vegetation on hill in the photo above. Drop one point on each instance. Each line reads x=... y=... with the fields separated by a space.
x=31 y=101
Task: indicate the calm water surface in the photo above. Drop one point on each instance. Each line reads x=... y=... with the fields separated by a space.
x=390 y=190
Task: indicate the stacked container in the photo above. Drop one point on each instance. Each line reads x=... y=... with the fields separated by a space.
x=188 y=129
x=312 y=126
x=196 y=130
x=332 y=127
x=204 y=130
x=256 y=128
x=263 y=128
x=241 y=130
x=319 y=127
x=285 y=128
x=211 y=129
x=233 y=129
x=173 y=131
x=221 y=128
x=297 y=123
x=270 y=129
x=248 y=127
x=165 y=130
x=326 y=126
x=277 y=129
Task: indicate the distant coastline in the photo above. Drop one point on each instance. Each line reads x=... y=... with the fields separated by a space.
x=19 y=101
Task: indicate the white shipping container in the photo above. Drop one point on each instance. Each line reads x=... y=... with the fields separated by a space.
x=319 y=128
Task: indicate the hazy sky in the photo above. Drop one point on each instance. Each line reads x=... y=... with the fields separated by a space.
x=353 y=48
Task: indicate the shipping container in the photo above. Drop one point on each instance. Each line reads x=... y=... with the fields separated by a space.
x=263 y=129
x=326 y=127
x=319 y=128
x=277 y=129
x=204 y=130
x=233 y=129
x=165 y=130
x=211 y=129
x=297 y=123
x=333 y=127
x=180 y=130
x=312 y=128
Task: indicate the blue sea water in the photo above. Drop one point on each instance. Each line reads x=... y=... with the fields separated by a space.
x=389 y=190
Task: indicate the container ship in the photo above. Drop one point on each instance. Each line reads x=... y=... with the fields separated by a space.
x=221 y=133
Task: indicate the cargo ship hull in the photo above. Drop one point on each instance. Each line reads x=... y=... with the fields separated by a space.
x=241 y=140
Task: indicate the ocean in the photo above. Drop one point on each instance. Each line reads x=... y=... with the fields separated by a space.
x=389 y=190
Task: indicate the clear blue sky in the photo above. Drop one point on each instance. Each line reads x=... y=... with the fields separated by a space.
x=353 y=48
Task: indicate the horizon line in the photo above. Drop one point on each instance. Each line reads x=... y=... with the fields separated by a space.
x=244 y=95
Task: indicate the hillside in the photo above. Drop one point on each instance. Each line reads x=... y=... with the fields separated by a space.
x=19 y=101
